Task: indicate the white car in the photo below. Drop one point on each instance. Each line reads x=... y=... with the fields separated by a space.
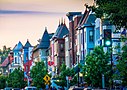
x=30 y=88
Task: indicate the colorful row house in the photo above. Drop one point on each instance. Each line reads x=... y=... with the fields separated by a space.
x=57 y=49
x=19 y=57
x=40 y=52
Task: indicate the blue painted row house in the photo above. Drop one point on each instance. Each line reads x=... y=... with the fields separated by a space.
x=82 y=30
x=40 y=52
x=17 y=57
x=87 y=32
x=27 y=58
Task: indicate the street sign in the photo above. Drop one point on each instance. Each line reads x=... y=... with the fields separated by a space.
x=47 y=83
x=68 y=78
x=47 y=78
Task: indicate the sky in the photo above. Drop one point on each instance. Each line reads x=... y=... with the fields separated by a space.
x=26 y=19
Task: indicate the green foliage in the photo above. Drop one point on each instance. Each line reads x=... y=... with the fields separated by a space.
x=16 y=79
x=121 y=67
x=2 y=82
x=37 y=74
x=4 y=53
x=114 y=10
x=65 y=72
x=96 y=65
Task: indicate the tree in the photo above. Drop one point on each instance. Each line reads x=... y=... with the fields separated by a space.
x=64 y=71
x=2 y=82
x=114 y=10
x=37 y=74
x=4 y=53
x=16 y=79
x=121 y=66
x=96 y=65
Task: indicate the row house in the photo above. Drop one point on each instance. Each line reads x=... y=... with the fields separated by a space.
x=57 y=49
x=5 y=64
x=85 y=32
x=40 y=52
x=17 y=57
x=72 y=37
x=67 y=54
x=90 y=33
x=27 y=58
x=81 y=36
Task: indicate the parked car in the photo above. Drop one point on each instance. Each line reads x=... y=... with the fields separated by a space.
x=16 y=89
x=30 y=88
x=78 y=88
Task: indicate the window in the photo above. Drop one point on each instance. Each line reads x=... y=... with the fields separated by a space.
x=91 y=36
x=27 y=68
x=62 y=47
x=90 y=50
x=16 y=60
x=27 y=56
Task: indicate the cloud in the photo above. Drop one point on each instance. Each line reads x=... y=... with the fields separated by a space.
x=29 y=12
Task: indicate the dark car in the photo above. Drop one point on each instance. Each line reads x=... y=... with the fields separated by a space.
x=16 y=88
x=78 y=88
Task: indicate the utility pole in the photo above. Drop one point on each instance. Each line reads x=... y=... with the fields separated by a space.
x=108 y=43
x=78 y=69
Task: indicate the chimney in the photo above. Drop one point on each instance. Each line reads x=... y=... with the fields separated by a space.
x=70 y=15
x=76 y=20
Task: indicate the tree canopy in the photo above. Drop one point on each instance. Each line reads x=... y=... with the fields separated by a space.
x=16 y=79
x=114 y=10
x=4 y=53
x=2 y=82
x=37 y=74
x=121 y=66
x=97 y=63
x=66 y=72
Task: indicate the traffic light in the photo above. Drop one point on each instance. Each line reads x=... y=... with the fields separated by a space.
x=107 y=38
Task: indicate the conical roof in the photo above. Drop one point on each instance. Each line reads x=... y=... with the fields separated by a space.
x=27 y=45
x=18 y=47
x=61 y=31
x=45 y=42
